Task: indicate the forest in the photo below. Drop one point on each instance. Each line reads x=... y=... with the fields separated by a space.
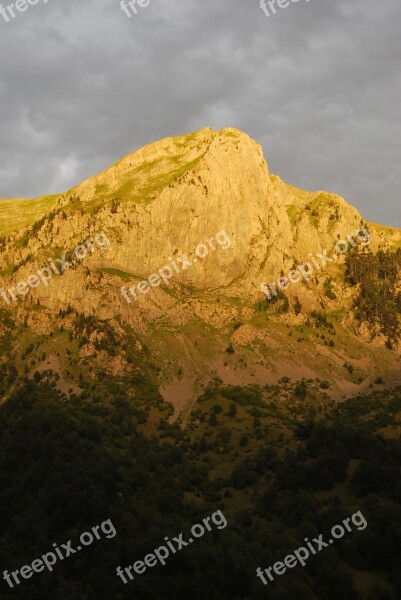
x=279 y=472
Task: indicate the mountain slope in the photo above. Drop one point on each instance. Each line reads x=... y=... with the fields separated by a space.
x=160 y=203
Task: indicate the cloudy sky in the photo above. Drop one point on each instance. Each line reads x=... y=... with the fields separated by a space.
x=318 y=84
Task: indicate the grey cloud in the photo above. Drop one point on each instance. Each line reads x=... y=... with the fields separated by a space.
x=317 y=84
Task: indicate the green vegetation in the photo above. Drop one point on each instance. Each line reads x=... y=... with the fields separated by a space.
x=282 y=461
x=328 y=289
x=142 y=184
x=122 y=274
x=294 y=211
x=378 y=277
x=24 y=212
x=86 y=436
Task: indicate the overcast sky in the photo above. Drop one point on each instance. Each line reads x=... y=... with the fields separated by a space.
x=318 y=84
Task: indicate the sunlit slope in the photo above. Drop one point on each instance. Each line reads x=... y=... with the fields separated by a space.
x=164 y=200
x=20 y=213
x=138 y=178
x=141 y=176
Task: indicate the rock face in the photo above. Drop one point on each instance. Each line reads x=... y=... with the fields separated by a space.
x=170 y=196
x=190 y=189
x=157 y=205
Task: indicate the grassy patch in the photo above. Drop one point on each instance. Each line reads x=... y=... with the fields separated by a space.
x=293 y=212
x=116 y=272
x=17 y=214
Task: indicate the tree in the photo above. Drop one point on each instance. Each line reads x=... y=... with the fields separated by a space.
x=297 y=306
x=232 y=410
x=301 y=390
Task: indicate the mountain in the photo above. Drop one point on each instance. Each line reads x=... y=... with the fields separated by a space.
x=158 y=204
x=186 y=339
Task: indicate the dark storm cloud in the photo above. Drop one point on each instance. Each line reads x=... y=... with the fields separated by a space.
x=317 y=84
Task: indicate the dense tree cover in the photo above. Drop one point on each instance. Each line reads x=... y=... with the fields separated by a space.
x=378 y=277
x=68 y=465
x=279 y=473
x=337 y=463
x=8 y=372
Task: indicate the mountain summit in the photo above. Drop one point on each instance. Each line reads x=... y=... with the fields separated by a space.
x=159 y=204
